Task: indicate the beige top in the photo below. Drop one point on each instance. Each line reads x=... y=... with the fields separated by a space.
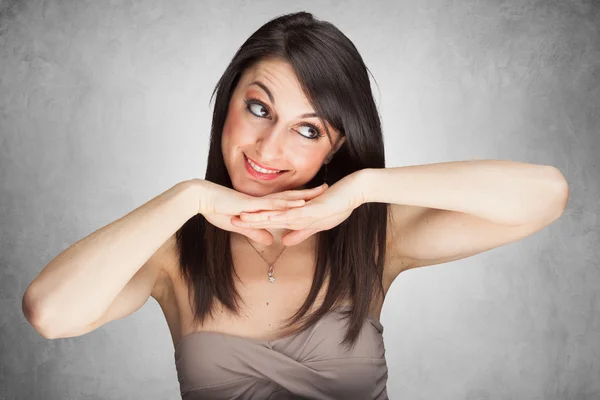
x=311 y=364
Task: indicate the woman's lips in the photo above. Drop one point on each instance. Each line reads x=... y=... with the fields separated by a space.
x=260 y=175
x=261 y=165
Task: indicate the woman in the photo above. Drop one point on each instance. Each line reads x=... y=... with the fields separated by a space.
x=296 y=226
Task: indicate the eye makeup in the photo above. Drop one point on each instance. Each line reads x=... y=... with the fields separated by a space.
x=250 y=101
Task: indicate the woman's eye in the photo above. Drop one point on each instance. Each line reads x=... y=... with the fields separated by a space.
x=311 y=132
x=255 y=109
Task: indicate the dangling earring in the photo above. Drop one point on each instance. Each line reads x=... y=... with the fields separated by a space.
x=325 y=174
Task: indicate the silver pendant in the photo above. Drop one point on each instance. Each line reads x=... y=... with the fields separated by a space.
x=270 y=274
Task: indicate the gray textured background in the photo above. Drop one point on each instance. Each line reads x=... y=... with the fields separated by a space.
x=104 y=105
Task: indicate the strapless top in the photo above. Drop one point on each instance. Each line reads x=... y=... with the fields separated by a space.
x=311 y=364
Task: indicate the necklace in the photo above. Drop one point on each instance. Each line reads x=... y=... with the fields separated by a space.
x=270 y=272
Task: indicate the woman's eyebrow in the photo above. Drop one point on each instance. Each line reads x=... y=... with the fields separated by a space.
x=272 y=99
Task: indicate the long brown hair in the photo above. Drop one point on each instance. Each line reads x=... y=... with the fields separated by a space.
x=335 y=80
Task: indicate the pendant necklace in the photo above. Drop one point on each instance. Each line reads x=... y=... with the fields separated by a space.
x=271 y=265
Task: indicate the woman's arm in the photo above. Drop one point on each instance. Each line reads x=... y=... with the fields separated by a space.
x=78 y=286
x=501 y=191
x=448 y=211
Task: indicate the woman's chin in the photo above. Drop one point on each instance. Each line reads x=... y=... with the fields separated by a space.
x=252 y=190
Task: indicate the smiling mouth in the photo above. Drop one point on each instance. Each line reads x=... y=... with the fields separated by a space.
x=261 y=170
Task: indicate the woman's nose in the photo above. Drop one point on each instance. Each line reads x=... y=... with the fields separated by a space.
x=271 y=144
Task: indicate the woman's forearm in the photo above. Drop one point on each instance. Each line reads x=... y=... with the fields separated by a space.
x=501 y=191
x=79 y=284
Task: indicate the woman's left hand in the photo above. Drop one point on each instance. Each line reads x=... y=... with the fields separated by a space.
x=323 y=212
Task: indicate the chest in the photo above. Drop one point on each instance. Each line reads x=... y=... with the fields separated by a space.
x=264 y=307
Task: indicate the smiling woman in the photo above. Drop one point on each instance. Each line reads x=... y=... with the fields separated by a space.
x=266 y=138
x=293 y=109
x=272 y=271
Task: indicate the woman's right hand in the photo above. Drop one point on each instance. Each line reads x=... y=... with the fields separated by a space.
x=219 y=204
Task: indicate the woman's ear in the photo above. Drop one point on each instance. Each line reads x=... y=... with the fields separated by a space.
x=338 y=144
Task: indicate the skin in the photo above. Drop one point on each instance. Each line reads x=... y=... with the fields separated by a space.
x=274 y=134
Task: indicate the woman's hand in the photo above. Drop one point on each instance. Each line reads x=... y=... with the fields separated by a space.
x=321 y=213
x=219 y=204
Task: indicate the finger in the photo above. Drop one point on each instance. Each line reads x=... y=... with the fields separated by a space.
x=263 y=204
x=288 y=216
x=281 y=204
x=258 y=235
x=258 y=216
x=235 y=221
x=296 y=237
x=294 y=194
x=299 y=194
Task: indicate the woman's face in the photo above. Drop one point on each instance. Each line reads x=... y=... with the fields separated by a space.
x=269 y=123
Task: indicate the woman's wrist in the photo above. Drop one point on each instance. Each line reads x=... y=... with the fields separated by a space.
x=364 y=187
x=195 y=189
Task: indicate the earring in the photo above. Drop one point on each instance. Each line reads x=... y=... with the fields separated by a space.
x=325 y=174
